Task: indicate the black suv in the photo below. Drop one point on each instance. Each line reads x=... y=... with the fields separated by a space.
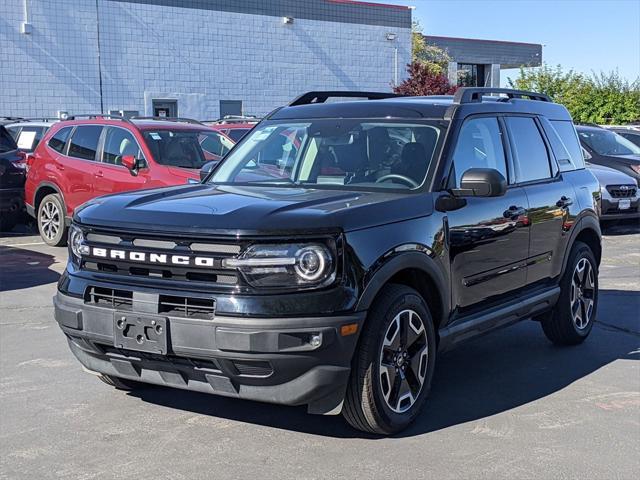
x=336 y=249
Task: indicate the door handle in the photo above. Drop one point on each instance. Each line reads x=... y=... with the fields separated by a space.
x=564 y=202
x=99 y=174
x=514 y=211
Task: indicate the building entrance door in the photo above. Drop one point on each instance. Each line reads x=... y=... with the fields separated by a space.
x=165 y=108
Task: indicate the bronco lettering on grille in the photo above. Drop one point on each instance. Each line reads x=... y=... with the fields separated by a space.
x=157 y=258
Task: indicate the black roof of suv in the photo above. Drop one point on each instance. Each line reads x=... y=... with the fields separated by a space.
x=337 y=248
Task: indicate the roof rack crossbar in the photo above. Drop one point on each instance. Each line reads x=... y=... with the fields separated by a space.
x=475 y=94
x=97 y=115
x=169 y=119
x=323 y=96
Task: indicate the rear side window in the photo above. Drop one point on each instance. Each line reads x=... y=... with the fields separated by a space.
x=479 y=146
x=567 y=133
x=59 y=140
x=13 y=131
x=117 y=144
x=29 y=138
x=6 y=142
x=237 y=133
x=84 y=142
x=530 y=156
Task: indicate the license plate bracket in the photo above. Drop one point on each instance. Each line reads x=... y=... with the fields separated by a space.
x=624 y=204
x=143 y=333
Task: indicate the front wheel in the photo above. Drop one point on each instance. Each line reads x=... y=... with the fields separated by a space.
x=571 y=321
x=393 y=366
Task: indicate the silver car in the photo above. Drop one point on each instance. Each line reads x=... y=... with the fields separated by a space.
x=619 y=194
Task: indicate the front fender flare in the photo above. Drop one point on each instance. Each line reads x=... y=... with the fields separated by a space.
x=414 y=260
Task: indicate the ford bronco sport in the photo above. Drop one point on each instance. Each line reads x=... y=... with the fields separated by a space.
x=337 y=250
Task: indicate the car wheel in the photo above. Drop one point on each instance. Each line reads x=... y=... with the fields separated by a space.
x=571 y=321
x=51 y=221
x=393 y=366
x=121 y=383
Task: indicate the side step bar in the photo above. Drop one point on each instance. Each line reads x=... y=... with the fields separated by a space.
x=468 y=327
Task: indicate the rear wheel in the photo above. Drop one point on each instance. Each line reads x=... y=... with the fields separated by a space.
x=51 y=220
x=571 y=321
x=121 y=383
x=393 y=367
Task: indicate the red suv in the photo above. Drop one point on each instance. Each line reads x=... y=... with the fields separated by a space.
x=78 y=160
x=235 y=127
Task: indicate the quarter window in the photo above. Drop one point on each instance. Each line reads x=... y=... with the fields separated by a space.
x=84 y=142
x=530 y=156
x=117 y=144
x=567 y=133
x=479 y=146
x=59 y=140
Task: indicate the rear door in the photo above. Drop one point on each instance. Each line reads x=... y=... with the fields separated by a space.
x=549 y=195
x=489 y=236
x=80 y=165
x=112 y=176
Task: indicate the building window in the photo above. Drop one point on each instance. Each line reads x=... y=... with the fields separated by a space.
x=230 y=108
x=470 y=75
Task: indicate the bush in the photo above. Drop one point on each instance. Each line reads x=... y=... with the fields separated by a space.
x=603 y=98
x=423 y=80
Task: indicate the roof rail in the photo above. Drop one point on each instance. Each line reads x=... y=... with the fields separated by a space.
x=321 y=96
x=475 y=94
x=97 y=115
x=38 y=119
x=168 y=119
x=234 y=119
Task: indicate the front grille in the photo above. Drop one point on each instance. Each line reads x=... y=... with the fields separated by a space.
x=169 y=305
x=187 y=307
x=153 y=248
x=109 y=298
x=188 y=362
x=622 y=191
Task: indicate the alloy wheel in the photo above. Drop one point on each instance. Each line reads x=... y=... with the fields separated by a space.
x=50 y=220
x=582 y=294
x=403 y=361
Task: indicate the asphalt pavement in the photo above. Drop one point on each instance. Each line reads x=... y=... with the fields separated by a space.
x=508 y=405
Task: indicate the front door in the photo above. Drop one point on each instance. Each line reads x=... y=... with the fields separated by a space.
x=113 y=175
x=488 y=237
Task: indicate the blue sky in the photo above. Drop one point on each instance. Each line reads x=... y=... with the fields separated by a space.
x=585 y=35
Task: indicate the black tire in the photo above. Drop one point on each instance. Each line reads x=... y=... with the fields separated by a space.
x=121 y=383
x=560 y=325
x=366 y=407
x=50 y=219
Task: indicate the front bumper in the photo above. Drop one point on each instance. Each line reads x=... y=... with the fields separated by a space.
x=263 y=359
x=610 y=210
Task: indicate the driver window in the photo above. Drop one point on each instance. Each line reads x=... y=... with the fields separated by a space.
x=117 y=144
x=479 y=146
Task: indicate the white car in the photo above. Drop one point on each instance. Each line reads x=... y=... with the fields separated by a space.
x=619 y=194
x=28 y=132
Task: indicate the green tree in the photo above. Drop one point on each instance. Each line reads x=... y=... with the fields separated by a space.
x=603 y=98
x=433 y=58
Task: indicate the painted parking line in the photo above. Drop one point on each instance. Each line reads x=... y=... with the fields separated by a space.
x=21 y=244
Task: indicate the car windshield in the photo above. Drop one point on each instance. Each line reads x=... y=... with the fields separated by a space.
x=606 y=142
x=335 y=153
x=176 y=148
x=214 y=144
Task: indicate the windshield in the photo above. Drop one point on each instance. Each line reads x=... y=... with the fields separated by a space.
x=176 y=148
x=333 y=153
x=606 y=142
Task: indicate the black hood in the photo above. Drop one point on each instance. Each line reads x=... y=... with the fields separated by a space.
x=630 y=159
x=256 y=209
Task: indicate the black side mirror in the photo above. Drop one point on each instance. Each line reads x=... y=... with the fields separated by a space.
x=207 y=168
x=481 y=182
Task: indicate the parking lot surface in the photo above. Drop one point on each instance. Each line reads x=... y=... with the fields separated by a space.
x=508 y=405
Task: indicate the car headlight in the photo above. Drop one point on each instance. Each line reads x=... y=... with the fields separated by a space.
x=76 y=242
x=285 y=265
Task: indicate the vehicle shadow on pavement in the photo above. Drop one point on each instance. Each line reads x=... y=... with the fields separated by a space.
x=627 y=227
x=21 y=268
x=486 y=376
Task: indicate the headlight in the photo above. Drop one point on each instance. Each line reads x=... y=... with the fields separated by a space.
x=76 y=242
x=285 y=265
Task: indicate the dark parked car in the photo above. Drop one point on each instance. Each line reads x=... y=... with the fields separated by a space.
x=619 y=194
x=605 y=147
x=12 y=177
x=328 y=270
